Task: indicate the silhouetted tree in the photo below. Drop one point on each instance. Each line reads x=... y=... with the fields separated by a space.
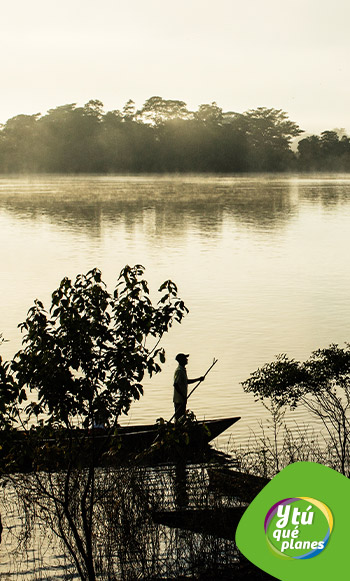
x=18 y=151
x=321 y=384
x=310 y=157
x=161 y=136
x=269 y=134
x=82 y=360
x=326 y=152
x=9 y=394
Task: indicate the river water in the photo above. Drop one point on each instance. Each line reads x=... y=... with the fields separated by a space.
x=261 y=262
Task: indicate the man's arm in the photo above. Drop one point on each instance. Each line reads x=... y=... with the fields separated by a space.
x=195 y=380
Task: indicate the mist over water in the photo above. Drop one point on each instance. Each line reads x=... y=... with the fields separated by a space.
x=261 y=262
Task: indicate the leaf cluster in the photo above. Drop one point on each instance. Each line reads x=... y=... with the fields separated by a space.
x=85 y=359
x=286 y=381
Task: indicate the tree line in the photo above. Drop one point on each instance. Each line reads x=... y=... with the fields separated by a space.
x=164 y=136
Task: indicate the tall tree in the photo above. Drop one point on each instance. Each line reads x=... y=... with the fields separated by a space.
x=269 y=133
x=309 y=153
x=19 y=151
x=83 y=360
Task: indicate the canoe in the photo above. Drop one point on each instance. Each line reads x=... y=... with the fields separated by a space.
x=219 y=522
x=21 y=451
x=201 y=433
x=234 y=483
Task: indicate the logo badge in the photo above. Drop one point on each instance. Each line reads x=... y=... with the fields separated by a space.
x=298 y=528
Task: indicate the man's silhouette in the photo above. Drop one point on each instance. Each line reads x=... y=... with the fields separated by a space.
x=181 y=383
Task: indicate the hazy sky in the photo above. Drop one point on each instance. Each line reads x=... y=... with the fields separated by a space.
x=292 y=55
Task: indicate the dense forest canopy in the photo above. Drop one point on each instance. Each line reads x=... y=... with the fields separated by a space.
x=164 y=136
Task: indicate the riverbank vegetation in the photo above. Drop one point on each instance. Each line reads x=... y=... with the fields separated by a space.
x=321 y=384
x=137 y=533
x=164 y=136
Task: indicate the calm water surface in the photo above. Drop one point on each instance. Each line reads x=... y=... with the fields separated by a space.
x=261 y=262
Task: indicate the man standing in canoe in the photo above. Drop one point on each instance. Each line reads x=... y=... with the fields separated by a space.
x=181 y=382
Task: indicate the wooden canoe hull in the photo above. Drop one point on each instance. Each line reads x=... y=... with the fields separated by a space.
x=234 y=483
x=219 y=522
x=201 y=433
x=27 y=451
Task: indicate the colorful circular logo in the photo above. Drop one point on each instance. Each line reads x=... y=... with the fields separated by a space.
x=298 y=528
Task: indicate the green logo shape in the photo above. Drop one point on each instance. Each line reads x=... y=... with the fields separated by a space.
x=308 y=505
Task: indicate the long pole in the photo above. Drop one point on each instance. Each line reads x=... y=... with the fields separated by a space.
x=204 y=376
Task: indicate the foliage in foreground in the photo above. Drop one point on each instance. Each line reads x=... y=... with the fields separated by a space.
x=85 y=359
x=82 y=364
x=129 y=541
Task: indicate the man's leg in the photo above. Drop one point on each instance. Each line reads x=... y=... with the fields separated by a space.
x=180 y=410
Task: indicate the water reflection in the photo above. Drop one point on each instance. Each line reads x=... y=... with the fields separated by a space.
x=93 y=204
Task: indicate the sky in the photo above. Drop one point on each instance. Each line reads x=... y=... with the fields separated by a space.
x=290 y=55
